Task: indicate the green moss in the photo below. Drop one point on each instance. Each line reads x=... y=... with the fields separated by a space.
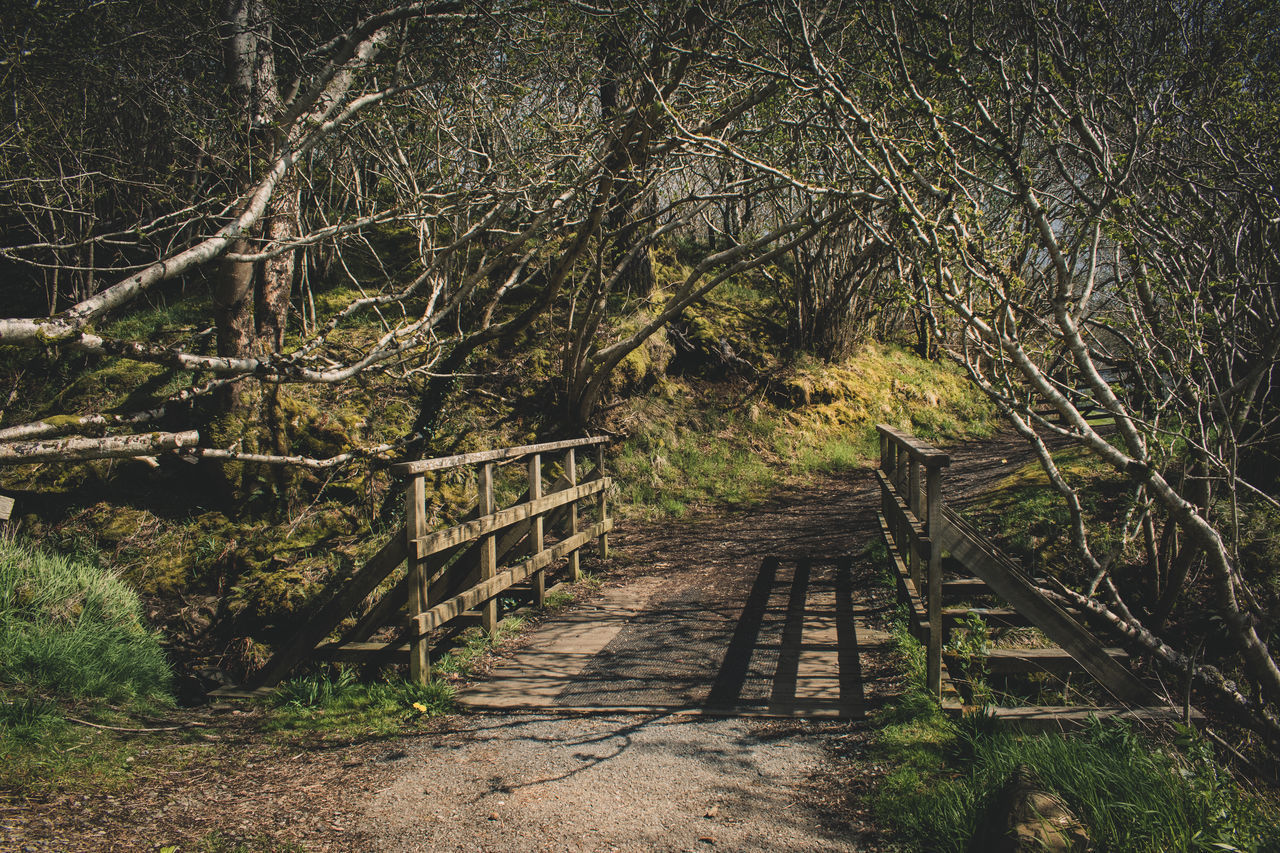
x=884 y=384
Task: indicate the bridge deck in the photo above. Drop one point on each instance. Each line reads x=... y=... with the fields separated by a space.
x=794 y=638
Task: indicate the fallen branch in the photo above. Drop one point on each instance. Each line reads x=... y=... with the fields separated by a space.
x=83 y=449
x=229 y=455
x=129 y=729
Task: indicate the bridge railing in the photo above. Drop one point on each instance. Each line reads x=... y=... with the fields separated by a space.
x=919 y=527
x=910 y=476
x=456 y=575
x=434 y=597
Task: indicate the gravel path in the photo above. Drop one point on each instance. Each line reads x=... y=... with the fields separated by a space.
x=608 y=783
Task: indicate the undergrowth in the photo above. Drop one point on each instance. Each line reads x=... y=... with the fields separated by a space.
x=1134 y=791
x=697 y=444
x=72 y=630
x=336 y=705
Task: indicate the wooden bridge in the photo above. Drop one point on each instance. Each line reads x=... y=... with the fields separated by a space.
x=938 y=555
x=795 y=632
x=425 y=586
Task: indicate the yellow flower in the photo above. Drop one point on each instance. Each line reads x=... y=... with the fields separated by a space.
x=421 y=709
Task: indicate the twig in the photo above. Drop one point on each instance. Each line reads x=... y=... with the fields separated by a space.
x=122 y=728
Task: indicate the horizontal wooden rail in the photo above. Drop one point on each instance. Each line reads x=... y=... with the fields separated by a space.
x=444 y=462
x=440 y=540
x=914 y=447
x=920 y=528
x=453 y=571
x=917 y=530
x=441 y=613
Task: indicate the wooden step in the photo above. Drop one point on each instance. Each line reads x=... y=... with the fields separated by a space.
x=1054 y=660
x=1051 y=718
x=995 y=617
x=358 y=651
x=965 y=588
x=235 y=691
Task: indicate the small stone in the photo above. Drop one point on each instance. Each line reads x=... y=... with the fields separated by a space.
x=493 y=815
x=712 y=812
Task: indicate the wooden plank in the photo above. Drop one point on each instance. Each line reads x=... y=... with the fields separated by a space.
x=948 y=694
x=996 y=617
x=933 y=518
x=446 y=610
x=439 y=540
x=364 y=652
x=571 y=474
x=1048 y=718
x=6 y=507
x=602 y=504
x=536 y=532
x=915 y=448
x=964 y=587
x=488 y=548
x=444 y=462
x=466 y=572
x=1010 y=584
x=915 y=527
x=1055 y=660
x=236 y=692
x=417 y=585
x=316 y=628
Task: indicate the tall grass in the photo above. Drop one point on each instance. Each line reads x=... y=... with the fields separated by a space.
x=72 y=630
x=1134 y=793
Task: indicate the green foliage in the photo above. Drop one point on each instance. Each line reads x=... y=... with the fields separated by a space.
x=1131 y=791
x=70 y=629
x=969 y=645
x=336 y=705
x=475 y=644
x=702 y=444
x=69 y=633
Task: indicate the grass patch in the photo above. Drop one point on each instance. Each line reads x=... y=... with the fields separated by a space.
x=1133 y=792
x=474 y=644
x=73 y=630
x=694 y=444
x=71 y=636
x=334 y=705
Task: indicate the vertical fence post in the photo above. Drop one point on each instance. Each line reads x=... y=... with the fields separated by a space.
x=913 y=501
x=933 y=498
x=571 y=474
x=901 y=462
x=886 y=465
x=415 y=528
x=602 y=503
x=535 y=531
x=488 y=547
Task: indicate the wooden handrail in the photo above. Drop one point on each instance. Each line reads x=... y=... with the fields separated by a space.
x=445 y=462
x=476 y=579
x=462 y=564
x=930 y=457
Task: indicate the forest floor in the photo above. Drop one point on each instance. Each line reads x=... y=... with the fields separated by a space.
x=540 y=780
